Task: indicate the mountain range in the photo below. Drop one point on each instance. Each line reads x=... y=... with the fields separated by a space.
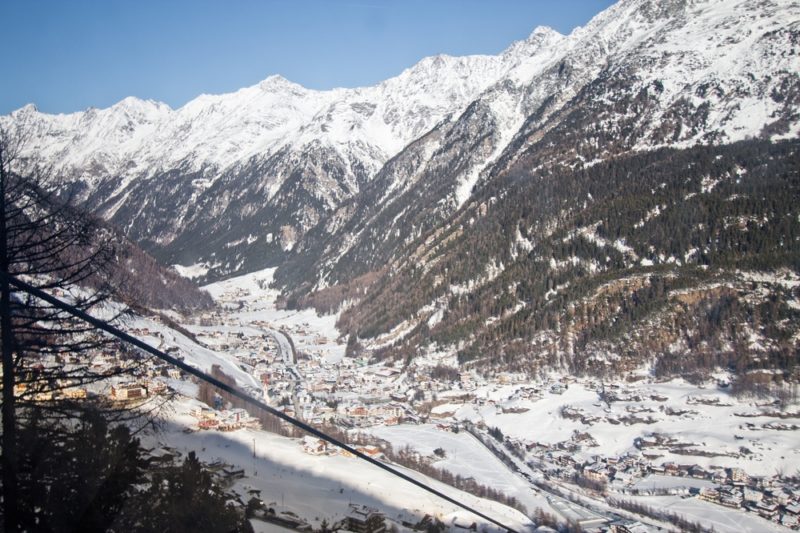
x=623 y=194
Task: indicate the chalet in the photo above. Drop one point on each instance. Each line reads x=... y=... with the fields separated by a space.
x=622 y=479
x=730 y=498
x=698 y=472
x=208 y=424
x=251 y=423
x=357 y=411
x=43 y=396
x=443 y=411
x=761 y=482
x=370 y=450
x=387 y=372
x=237 y=415
x=720 y=477
x=671 y=469
x=75 y=393
x=362 y=519
x=203 y=412
x=790 y=521
x=738 y=476
x=128 y=392
x=321 y=386
x=100 y=362
x=627 y=526
x=163 y=456
x=781 y=496
x=596 y=472
x=156 y=387
x=709 y=494
x=563 y=459
x=386 y=410
x=231 y=474
x=767 y=510
x=793 y=508
x=752 y=495
x=645 y=442
x=315 y=446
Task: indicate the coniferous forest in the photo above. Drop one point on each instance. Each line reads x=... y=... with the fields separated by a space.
x=639 y=258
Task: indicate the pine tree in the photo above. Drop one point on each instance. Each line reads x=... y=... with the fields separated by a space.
x=48 y=243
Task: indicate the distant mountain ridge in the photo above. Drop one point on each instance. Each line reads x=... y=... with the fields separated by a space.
x=261 y=143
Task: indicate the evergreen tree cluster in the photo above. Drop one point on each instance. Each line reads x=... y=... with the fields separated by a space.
x=591 y=260
x=92 y=476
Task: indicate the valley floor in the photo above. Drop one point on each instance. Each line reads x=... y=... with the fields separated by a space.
x=695 y=451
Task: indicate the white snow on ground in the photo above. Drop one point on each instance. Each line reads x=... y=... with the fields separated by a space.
x=733 y=432
x=653 y=213
x=590 y=234
x=712 y=428
x=192 y=271
x=464 y=456
x=307 y=328
x=319 y=487
x=785 y=278
x=710 y=515
x=654 y=482
x=195 y=355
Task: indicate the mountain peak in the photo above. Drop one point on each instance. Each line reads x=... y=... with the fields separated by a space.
x=26 y=109
x=278 y=82
x=137 y=105
x=540 y=37
x=543 y=32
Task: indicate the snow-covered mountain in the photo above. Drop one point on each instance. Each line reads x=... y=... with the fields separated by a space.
x=331 y=178
x=218 y=131
x=593 y=210
x=641 y=75
x=272 y=139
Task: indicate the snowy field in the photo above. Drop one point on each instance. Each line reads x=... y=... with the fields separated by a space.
x=313 y=487
x=723 y=520
x=464 y=456
x=714 y=421
x=319 y=487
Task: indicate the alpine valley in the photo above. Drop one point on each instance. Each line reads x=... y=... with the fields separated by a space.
x=623 y=197
x=559 y=286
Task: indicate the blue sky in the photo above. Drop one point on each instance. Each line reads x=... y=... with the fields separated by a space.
x=67 y=55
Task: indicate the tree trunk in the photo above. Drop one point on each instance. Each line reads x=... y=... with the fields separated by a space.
x=9 y=462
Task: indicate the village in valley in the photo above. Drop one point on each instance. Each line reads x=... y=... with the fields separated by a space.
x=576 y=446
